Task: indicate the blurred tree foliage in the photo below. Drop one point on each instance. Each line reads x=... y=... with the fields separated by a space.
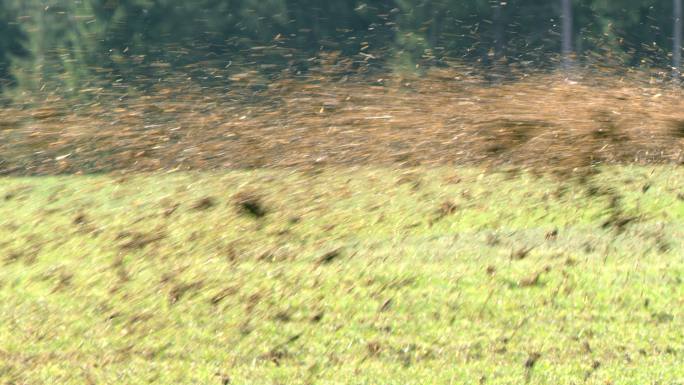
x=12 y=40
x=75 y=44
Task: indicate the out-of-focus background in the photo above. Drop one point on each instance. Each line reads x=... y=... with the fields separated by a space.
x=68 y=46
x=213 y=84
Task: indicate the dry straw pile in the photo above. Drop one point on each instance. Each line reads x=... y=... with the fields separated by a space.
x=339 y=116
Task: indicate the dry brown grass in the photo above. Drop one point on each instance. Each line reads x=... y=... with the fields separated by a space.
x=445 y=116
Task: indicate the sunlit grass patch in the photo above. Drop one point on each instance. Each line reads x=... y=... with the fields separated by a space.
x=350 y=275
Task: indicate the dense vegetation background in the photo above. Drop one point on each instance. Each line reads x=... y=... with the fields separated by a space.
x=66 y=45
x=102 y=85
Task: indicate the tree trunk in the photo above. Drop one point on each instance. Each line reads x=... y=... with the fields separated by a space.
x=677 y=40
x=498 y=31
x=566 y=19
x=498 y=65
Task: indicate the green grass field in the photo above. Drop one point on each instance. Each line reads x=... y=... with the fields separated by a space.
x=343 y=276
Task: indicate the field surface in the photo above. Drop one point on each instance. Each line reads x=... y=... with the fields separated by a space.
x=349 y=275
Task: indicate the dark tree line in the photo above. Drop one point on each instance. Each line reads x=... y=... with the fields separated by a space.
x=76 y=42
x=12 y=40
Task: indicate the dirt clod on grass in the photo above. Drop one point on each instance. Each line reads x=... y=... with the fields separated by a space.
x=251 y=204
x=330 y=257
x=445 y=209
x=136 y=240
x=521 y=253
x=201 y=205
x=374 y=348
